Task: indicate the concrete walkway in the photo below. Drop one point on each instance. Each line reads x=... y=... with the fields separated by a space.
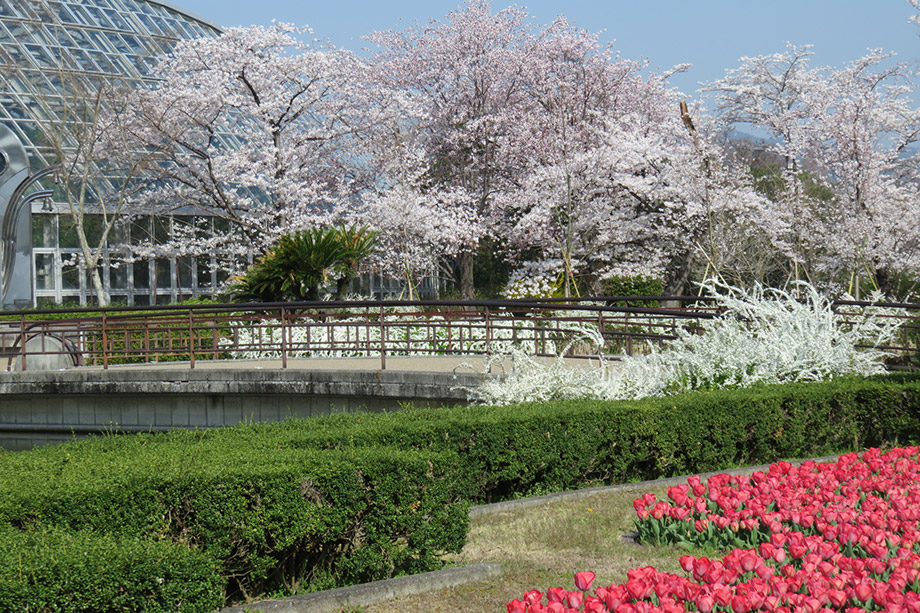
x=456 y=364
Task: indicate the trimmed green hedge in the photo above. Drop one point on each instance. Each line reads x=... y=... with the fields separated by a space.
x=271 y=517
x=54 y=570
x=514 y=450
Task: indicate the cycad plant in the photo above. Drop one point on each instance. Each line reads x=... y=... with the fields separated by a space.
x=300 y=264
x=357 y=243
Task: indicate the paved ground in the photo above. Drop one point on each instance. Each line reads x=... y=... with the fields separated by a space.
x=459 y=364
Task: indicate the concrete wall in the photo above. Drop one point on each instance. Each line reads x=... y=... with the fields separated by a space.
x=37 y=408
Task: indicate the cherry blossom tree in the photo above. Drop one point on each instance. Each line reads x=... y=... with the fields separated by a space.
x=259 y=129
x=463 y=76
x=769 y=94
x=845 y=205
x=620 y=181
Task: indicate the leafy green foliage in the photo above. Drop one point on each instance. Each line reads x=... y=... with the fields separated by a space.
x=633 y=286
x=505 y=452
x=267 y=515
x=49 y=569
x=300 y=264
x=313 y=504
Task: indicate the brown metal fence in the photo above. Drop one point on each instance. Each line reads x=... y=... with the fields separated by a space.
x=587 y=327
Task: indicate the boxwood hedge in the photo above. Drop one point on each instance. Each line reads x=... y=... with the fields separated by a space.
x=513 y=450
x=269 y=517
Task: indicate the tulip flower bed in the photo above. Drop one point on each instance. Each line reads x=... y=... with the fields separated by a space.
x=821 y=537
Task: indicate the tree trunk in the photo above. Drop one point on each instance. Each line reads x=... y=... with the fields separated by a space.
x=341 y=288
x=886 y=283
x=102 y=296
x=467 y=290
x=676 y=283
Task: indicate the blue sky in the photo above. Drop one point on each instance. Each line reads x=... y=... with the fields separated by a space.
x=710 y=34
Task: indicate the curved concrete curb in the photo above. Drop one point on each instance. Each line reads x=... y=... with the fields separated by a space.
x=370 y=593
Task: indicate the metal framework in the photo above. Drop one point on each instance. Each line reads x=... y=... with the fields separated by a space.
x=41 y=42
x=286 y=331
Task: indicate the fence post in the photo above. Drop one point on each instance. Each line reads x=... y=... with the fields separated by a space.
x=600 y=326
x=22 y=339
x=283 y=345
x=628 y=335
x=488 y=333
x=105 y=343
x=383 y=346
x=191 y=339
x=367 y=330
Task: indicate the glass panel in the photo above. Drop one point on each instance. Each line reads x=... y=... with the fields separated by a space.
x=162 y=278
x=92 y=229
x=223 y=275
x=43 y=232
x=70 y=277
x=142 y=300
x=68 y=233
x=184 y=271
x=44 y=271
x=84 y=60
x=141 y=275
x=118 y=274
x=41 y=56
x=100 y=17
x=203 y=269
x=118 y=21
x=164 y=299
x=160 y=229
x=118 y=235
x=140 y=230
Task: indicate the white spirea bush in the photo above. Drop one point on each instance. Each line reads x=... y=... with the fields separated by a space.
x=355 y=337
x=534 y=280
x=763 y=336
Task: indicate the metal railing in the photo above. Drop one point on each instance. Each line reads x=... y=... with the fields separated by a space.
x=588 y=327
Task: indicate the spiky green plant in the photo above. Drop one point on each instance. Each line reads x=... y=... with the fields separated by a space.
x=300 y=264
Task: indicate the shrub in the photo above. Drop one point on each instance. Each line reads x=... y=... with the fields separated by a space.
x=48 y=569
x=273 y=517
x=508 y=451
x=762 y=336
x=299 y=264
x=633 y=286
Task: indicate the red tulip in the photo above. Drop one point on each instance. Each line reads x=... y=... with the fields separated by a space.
x=740 y=603
x=574 y=599
x=517 y=606
x=533 y=596
x=584 y=579
x=863 y=592
x=704 y=603
x=556 y=594
x=837 y=597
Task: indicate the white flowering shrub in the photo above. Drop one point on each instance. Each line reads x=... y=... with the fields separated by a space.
x=763 y=336
x=355 y=336
x=534 y=280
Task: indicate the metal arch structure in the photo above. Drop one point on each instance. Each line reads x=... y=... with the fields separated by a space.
x=16 y=225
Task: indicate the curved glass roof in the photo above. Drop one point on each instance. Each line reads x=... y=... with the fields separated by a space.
x=42 y=40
